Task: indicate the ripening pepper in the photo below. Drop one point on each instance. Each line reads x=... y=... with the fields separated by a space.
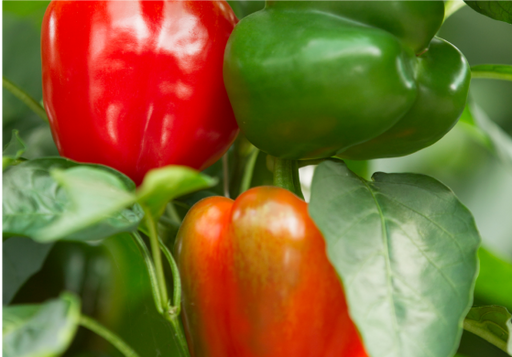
x=256 y=281
x=355 y=79
x=137 y=85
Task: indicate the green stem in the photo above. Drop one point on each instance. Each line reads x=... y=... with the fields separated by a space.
x=151 y=271
x=225 y=174
x=179 y=335
x=173 y=314
x=157 y=258
x=176 y=300
x=249 y=170
x=502 y=72
x=25 y=98
x=451 y=7
x=170 y=313
x=173 y=214
x=477 y=329
x=286 y=175
x=102 y=331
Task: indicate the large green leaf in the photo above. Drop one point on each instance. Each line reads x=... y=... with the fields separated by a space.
x=22 y=258
x=90 y=207
x=13 y=150
x=44 y=330
x=406 y=250
x=96 y=198
x=492 y=323
x=498 y=10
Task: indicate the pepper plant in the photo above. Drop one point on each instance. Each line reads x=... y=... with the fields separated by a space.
x=156 y=190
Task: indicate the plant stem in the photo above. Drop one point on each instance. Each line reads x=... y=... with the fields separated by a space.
x=157 y=258
x=151 y=271
x=286 y=175
x=249 y=170
x=225 y=174
x=172 y=213
x=102 y=331
x=451 y=7
x=173 y=314
x=25 y=98
x=475 y=328
x=176 y=300
x=170 y=313
x=492 y=72
x=179 y=335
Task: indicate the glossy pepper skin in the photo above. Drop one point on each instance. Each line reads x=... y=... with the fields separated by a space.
x=356 y=79
x=137 y=85
x=257 y=282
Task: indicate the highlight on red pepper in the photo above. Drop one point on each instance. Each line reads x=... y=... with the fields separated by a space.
x=356 y=79
x=257 y=282
x=138 y=85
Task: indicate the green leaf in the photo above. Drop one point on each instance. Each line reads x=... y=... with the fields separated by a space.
x=96 y=196
x=84 y=202
x=493 y=324
x=497 y=10
x=44 y=330
x=13 y=150
x=22 y=258
x=487 y=133
x=406 y=251
x=494 y=71
x=164 y=184
x=494 y=282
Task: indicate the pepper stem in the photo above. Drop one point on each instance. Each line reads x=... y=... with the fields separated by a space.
x=108 y=335
x=286 y=175
x=25 y=98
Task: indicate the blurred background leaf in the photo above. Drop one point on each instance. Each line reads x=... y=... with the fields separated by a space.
x=22 y=258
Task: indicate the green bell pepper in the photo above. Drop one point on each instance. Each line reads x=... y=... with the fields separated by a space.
x=355 y=79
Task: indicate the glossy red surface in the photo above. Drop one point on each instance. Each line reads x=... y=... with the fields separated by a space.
x=137 y=85
x=257 y=282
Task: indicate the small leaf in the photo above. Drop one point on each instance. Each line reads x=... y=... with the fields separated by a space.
x=492 y=323
x=36 y=205
x=13 y=150
x=163 y=185
x=22 y=258
x=497 y=10
x=44 y=330
x=405 y=249
x=495 y=71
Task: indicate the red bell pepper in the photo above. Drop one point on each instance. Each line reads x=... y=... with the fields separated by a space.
x=257 y=281
x=137 y=85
